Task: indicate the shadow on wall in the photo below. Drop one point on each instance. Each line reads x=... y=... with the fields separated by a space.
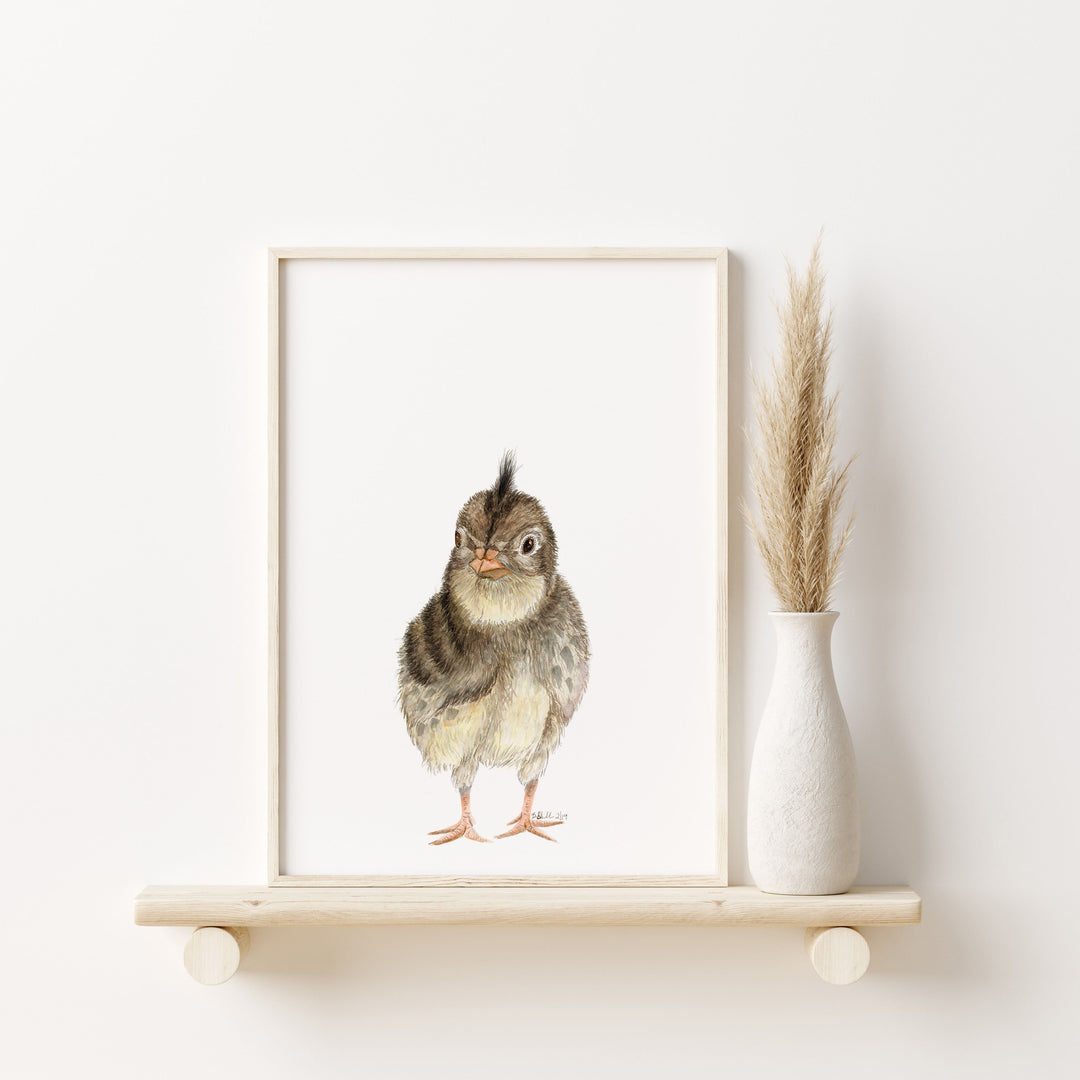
x=884 y=619
x=882 y=587
x=692 y=970
x=563 y=963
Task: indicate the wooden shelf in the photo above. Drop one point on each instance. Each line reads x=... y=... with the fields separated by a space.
x=736 y=905
x=221 y=914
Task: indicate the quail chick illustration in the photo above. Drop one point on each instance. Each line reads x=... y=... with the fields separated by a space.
x=494 y=667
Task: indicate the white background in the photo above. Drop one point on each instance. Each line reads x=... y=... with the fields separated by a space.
x=403 y=383
x=152 y=151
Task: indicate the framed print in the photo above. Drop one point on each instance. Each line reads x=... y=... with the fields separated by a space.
x=498 y=537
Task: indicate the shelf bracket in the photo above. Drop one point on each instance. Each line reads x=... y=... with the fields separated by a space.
x=213 y=953
x=840 y=954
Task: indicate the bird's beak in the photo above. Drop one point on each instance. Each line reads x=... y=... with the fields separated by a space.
x=487 y=565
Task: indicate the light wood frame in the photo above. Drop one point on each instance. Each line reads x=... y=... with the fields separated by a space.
x=277 y=255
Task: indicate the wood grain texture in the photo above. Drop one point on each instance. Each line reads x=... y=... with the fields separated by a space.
x=213 y=953
x=840 y=954
x=737 y=905
x=717 y=255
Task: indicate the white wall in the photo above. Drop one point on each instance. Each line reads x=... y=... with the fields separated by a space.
x=152 y=151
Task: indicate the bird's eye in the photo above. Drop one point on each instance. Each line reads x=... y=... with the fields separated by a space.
x=457 y=539
x=528 y=545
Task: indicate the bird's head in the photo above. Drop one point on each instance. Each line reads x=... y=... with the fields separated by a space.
x=503 y=560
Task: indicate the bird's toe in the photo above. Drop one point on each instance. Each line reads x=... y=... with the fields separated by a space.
x=521 y=825
x=456 y=832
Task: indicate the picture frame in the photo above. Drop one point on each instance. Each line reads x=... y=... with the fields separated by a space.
x=287 y=288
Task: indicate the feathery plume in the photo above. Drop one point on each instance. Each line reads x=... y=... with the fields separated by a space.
x=799 y=490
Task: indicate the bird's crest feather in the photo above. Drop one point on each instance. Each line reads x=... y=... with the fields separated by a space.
x=505 y=483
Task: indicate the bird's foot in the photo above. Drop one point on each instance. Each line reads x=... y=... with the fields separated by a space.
x=527 y=823
x=465 y=826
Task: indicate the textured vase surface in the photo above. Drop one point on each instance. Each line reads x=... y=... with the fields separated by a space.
x=802 y=809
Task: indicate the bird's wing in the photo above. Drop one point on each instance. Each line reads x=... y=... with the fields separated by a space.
x=569 y=671
x=563 y=652
x=434 y=675
x=423 y=702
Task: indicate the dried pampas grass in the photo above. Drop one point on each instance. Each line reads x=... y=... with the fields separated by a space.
x=798 y=489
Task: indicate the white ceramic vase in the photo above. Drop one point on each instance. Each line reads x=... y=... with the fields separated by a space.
x=803 y=811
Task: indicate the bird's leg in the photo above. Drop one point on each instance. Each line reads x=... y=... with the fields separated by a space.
x=464 y=826
x=525 y=822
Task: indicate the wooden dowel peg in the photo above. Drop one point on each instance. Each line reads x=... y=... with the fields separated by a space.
x=840 y=954
x=213 y=953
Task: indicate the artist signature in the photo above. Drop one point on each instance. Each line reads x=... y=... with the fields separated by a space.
x=550 y=815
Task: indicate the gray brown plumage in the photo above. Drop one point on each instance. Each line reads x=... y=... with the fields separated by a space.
x=495 y=665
